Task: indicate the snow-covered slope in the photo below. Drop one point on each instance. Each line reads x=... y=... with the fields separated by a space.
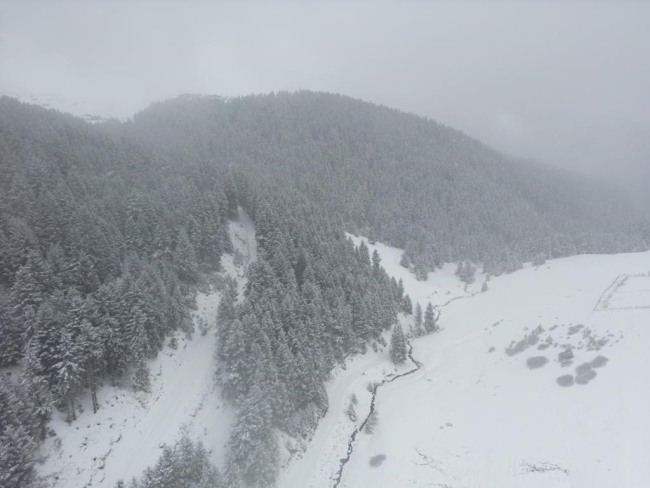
x=125 y=436
x=477 y=413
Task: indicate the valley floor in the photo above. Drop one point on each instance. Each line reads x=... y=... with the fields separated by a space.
x=481 y=412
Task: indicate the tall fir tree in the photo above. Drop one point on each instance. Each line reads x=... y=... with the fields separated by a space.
x=418 y=326
x=398 y=352
x=429 y=319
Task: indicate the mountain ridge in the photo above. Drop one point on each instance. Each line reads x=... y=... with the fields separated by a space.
x=354 y=157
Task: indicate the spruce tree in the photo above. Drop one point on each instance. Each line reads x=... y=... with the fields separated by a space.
x=12 y=337
x=418 y=328
x=253 y=447
x=17 y=444
x=69 y=374
x=185 y=258
x=407 y=305
x=429 y=319
x=398 y=352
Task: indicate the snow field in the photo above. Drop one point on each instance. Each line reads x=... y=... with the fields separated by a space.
x=472 y=417
x=486 y=408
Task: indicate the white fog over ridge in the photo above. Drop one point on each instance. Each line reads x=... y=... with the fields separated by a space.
x=562 y=83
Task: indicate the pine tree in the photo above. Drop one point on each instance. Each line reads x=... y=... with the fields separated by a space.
x=37 y=407
x=400 y=289
x=421 y=273
x=364 y=254
x=33 y=281
x=407 y=305
x=82 y=271
x=69 y=374
x=398 y=352
x=236 y=369
x=12 y=337
x=141 y=378
x=429 y=319
x=460 y=269
x=253 y=447
x=470 y=273
x=418 y=326
x=17 y=444
x=376 y=263
x=185 y=258
x=91 y=345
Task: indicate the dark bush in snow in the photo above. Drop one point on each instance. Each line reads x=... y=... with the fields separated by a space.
x=599 y=362
x=536 y=362
x=586 y=377
x=566 y=357
x=377 y=460
x=565 y=380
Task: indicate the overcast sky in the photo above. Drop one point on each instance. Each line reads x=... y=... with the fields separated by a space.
x=559 y=81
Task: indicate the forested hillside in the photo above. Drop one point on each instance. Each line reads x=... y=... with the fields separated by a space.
x=398 y=178
x=102 y=245
x=99 y=250
x=107 y=231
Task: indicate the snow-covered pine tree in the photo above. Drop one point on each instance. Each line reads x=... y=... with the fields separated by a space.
x=12 y=337
x=398 y=352
x=92 y=357
x=418 y=328
x=421 y=273
x=400 y=289
x=376 y=263
x=407 y=305
x=69 y=374
x=37 y=407
x=31 y=284
x=17 y=444
x=185 y=258
x=429 y=319
x=253 y=447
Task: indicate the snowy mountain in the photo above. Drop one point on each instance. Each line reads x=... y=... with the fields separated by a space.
x=398 y=178
x=180 y=303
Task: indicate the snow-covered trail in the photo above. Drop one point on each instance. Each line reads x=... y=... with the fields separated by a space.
x=187 y=383
x=125 y=436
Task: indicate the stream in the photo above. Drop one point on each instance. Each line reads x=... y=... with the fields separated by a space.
x=353 y=437
x=375 y=389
